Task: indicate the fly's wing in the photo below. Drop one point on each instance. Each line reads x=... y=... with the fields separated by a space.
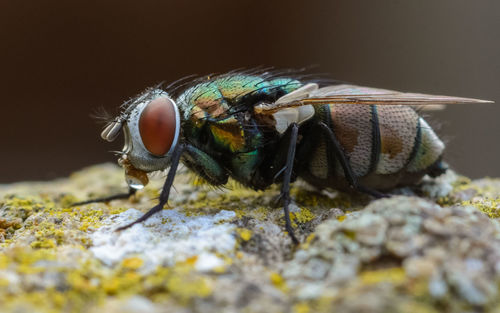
x=352 y=94
x=373 y=96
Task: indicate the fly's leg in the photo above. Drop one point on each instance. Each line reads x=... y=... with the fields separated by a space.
x=205 y=166
x=372 y=192
x=285 y=188
x=349 y=175
x=165 y=192
x=131 y=192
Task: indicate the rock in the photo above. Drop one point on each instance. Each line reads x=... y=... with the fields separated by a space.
x=213 y=251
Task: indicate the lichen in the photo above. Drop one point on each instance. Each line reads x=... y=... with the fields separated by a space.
x=244 y=234
x=303 y=216
x=393 y=275
x=490 y=207
x=225 y=250
x=278 y=281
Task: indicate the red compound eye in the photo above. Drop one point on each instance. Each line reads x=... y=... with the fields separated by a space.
x=157 y=126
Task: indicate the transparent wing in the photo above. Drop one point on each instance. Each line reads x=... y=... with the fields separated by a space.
x=352 y=94
x=375 y=96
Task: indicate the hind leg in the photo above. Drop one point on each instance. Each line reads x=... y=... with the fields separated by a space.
x=343 y=160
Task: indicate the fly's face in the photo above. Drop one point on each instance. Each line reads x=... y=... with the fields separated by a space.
x=151 y=127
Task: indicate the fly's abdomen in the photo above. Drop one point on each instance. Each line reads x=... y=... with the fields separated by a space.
x=387 y=146
x=384 y=139
x=407 y=142
x=427 y=150
x=398 y=129
x=352 y=125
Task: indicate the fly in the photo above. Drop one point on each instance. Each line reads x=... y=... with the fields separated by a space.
x=262 y=128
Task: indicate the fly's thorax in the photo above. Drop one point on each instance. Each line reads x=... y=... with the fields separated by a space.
x=152 y=130
x=217 y=97
x=219 y=118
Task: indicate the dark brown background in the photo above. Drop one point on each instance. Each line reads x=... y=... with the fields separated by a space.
x=60 y=60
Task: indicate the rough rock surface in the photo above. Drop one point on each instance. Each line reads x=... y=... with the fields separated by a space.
x=435 y=248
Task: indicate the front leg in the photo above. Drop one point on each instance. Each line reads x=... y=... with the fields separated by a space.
x=165 y=192
x=131 y=192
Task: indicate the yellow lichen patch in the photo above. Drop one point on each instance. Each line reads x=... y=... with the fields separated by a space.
x=43 y=244
x=244 y=234
x=4 y=282
x=349 y=234
x=241 y=200
x=394 y=275
x=308 y=241
x=418 y=307
x=310 y=238
x=464 y=189
x=49 y=227
x=191 y=261
x=23 y=207
x=67 y=200
x=302 y=307
x=304 y=216
x=4 y=261
x=149 y=192
x=461 y=183
x=278 y=281
x=317 y=200
x=25 y=260
x=490 y=207
x=132 y=263
x=301 y=217
x=260 y=213
x=122 y=283
x=181 y=282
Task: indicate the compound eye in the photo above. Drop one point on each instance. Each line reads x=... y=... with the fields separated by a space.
x=157 y=126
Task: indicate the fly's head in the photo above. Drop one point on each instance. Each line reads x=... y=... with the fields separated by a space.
x=151 y=127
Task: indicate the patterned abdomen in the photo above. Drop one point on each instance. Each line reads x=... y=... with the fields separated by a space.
x=387 y=146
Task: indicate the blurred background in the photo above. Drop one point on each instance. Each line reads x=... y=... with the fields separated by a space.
x=61 y=60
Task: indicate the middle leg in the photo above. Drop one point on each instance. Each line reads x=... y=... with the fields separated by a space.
x=285 y=188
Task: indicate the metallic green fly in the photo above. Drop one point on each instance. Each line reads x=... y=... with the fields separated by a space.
x=267 y=127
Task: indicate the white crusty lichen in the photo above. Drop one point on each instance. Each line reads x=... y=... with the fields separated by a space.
x=165 y=238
